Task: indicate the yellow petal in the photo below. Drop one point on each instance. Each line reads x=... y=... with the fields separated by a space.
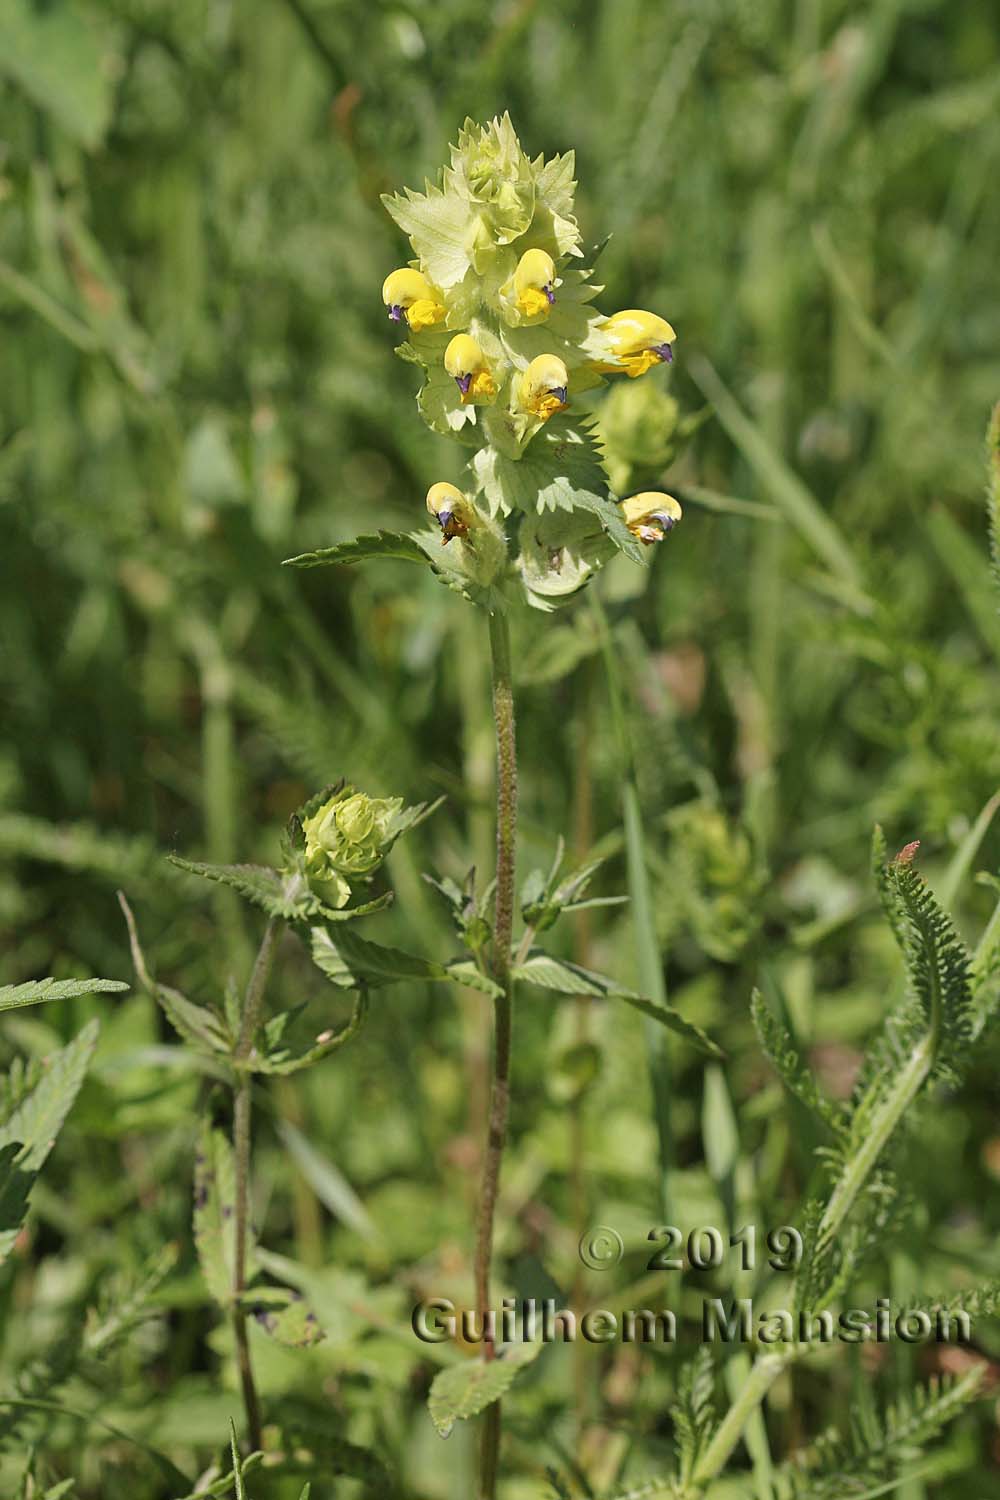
x=463 y=356
x=404 y=287
x=536 y=268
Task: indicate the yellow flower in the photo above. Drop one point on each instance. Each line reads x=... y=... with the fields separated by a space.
x=466 y=363
x=650 y=515
x=450 y=509
x=407 y=291
x=636 y=341
x=543 y=386
x=534 y=283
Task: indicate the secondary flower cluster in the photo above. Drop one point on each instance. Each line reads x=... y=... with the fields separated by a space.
x=498 y=310
x=347 y=838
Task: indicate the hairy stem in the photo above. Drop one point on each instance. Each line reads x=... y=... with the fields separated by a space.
x=249 y=1021
x=503 y=928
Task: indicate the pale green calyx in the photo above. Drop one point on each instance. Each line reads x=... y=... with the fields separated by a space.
x=347 y=838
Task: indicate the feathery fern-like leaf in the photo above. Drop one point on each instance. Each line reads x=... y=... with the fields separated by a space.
x=796 y=1076
x=836 y=1467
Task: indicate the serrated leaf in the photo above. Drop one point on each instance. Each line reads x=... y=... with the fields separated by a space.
x=464 y=971
x=464 y=1390
x=35 y=991
x=195 y=1024
x=285 y=1060
x=352 y=962
x=570 y=979
x=284 y=1315
x=283 y=895
x=215 y=1213
x=15 y=1185
x=361 y=549
x=39 y=1117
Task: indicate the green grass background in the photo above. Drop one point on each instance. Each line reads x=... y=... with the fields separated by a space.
x=196 y=380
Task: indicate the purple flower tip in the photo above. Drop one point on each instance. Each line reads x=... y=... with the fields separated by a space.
x=550 y=294
x=463 y=382
x=664 y=351
x=560 y=392
x=395 y=312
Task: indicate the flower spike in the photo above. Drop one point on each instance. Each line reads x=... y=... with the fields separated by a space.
x=408 y=292
x=466 y=363
x=635 y=341
x=651 y=515
x=543 y=386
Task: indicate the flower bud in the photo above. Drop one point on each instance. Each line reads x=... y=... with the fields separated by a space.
x=635 y=341
x=466 y=363
x=348 y=836
x=408 y=291
x=650 y=515
x=543 y=386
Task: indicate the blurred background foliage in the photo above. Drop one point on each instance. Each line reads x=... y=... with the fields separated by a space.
x=196 y=380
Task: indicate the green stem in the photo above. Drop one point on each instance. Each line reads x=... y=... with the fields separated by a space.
x=503 y=928
x=249 y=1021
x=763 y=1374
x=649 y=958
x=909 y=1082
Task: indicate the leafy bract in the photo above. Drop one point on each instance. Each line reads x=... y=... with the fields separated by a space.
x=283 y=894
